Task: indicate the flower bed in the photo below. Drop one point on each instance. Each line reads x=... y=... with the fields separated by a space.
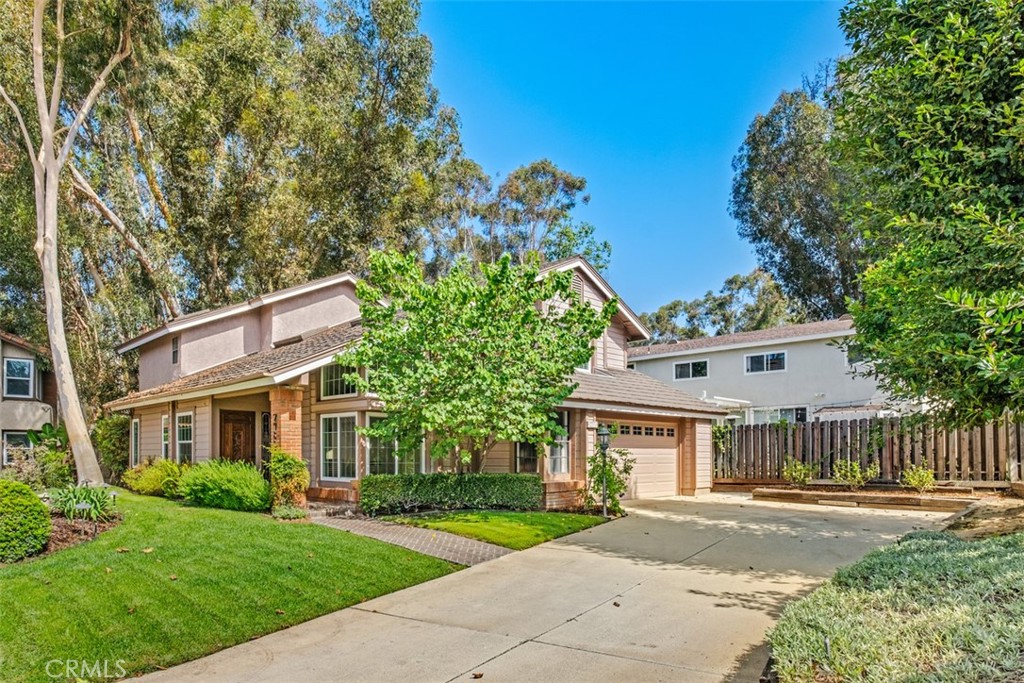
x=893 y=499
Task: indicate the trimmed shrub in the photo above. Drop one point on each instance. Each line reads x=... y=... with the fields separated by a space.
x=112 y=439
x=155 y=478
x=919 y=478
x=24 y=522
x=850 y=474
x=289 y=478
x=289 y=512
x=392 y=493
x=66 y=500
x=227 y=485
x=612 y=470
x=797 y=473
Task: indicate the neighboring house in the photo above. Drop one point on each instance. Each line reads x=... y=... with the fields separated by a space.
x=795 y=373
x=229 y=382
x=28 y=399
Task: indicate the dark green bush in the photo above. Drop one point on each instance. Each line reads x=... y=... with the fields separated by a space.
x=112 y=439
x=155 y=478
x=289 y=478
x=101 y=505
x=391 y=493
x=24 y=522
x=227 y=485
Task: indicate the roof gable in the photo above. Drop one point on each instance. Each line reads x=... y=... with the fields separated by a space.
x=634 y=326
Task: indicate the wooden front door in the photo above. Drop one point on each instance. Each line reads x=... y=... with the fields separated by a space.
x=238 y=435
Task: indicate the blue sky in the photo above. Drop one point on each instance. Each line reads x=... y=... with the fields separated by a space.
x=649 y=101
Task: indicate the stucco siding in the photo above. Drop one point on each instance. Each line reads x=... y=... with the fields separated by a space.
x=322 y=308
x=23 y=414
x=155 y=366
x=219 y=341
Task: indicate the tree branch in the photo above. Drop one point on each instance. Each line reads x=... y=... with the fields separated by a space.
x=38 y=72
x=21 y=124
x=83 y=186
x=124 y=50
x=58 y=72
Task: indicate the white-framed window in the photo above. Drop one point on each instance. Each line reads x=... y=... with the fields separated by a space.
x=338 y=446
x=184 y=434
x=526 y=458
x=382 y=456
x=19 y=377
x=773 y=361
x=175 y=350
x=14 y=440
x=774 y=415
x=165 y=436
x=333 y=382
x=135 y=442
x=691 y=369
x=558 y=458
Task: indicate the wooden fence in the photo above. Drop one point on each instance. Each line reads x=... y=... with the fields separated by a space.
x=757 y=453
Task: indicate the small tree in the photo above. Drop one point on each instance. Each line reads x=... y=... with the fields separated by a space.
x=470 y=360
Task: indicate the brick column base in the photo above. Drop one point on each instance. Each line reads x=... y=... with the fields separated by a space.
x=286 y=420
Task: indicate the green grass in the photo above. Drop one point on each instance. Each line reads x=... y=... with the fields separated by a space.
x=233 y=571
x=931 y=608
x=516 y=530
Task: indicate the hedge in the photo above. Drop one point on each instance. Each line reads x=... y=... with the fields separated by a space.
x=393 y=493
x=24 y=522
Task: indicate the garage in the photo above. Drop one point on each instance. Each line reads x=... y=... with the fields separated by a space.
x=655 y=447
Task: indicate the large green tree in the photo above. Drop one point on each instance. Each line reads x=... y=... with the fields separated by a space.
x=931 y=121
x=788 y=193
x=470 y=359
x=744 y=303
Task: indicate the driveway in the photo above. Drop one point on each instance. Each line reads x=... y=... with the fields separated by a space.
x=680 y=590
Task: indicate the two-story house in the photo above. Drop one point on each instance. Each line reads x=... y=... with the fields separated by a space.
x=28 y=399
x=797 y=373
x=227 y=382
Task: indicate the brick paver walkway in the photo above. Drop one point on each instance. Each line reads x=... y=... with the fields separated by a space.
x=457 y=549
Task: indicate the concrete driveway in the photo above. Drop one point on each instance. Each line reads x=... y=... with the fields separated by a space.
x=680 y=590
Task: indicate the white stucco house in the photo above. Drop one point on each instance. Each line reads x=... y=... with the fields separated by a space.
x=797 y=373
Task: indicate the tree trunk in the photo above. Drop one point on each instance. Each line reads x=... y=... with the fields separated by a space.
x=86 y=464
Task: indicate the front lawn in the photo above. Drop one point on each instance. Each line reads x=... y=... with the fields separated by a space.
x=515 y=530
x=930 y=608
x=172 y=583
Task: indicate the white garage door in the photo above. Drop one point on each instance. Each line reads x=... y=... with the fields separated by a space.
x=654 y=447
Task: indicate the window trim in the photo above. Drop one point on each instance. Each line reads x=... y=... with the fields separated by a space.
x=175 y=350
x=423 y=449
x=706 y=361
x=766 y=371
x=165 y=436
x=177 y=438
x=4 y=459
x=329 y=397
x=320 y=447
x=31 y=379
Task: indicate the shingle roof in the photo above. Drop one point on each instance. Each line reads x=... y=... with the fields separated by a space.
x=635 y=389
x=260 y=364
x=837 y=326
x=23 y=343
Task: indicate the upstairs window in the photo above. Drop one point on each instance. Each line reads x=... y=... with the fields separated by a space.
x=333 y=381
x=693 y=369
x=766 y=362
x=18 y=376
x=175 y=350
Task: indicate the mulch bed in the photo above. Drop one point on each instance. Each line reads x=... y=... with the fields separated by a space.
x=993 y=516
x=66 y=533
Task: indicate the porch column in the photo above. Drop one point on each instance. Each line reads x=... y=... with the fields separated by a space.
x=286 y=419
